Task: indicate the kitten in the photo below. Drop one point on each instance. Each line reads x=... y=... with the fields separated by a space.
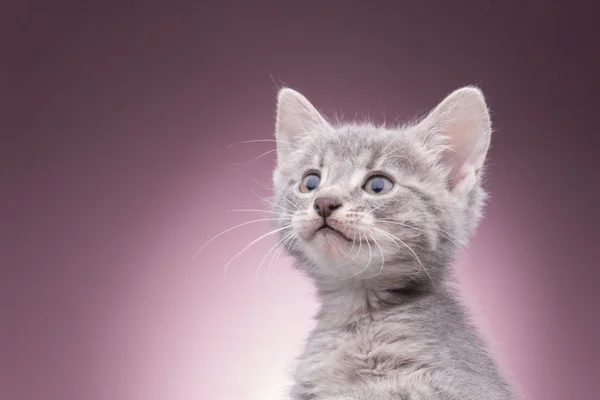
x=374 y=216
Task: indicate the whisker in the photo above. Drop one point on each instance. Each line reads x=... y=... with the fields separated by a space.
x=447 y=235
x=368 y=263
x=372 y=210
x=235 y=227
x=255 y=181
x=292 y=203
x=278 y=206
x=409 y=249
x=257 y=158
x=275 y=205
x=277 y=254
x=353 y=243
x=271 y=203
x=262 y=185
x=357 y=252
x=382 y=257
x=391 y=221
x=252 y=243
x=258 y=210
x=250 y=141
x=269 y=252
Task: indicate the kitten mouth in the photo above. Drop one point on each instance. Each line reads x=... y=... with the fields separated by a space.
x=327 y=229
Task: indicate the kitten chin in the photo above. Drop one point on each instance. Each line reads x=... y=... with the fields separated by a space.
x=330 y=245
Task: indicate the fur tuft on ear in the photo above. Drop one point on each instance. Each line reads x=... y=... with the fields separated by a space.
x=461 y=124
x=297 y=119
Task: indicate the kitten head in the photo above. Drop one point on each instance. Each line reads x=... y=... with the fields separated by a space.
x=387 y=205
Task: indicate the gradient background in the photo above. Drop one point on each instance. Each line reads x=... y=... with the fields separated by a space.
x=115 y=169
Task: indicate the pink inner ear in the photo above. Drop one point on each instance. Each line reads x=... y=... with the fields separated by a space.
x=461 y=174
x=461 y=140
x=468 y=143
x=463 y=120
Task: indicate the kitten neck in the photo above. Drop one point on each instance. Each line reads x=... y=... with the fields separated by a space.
x=342 y=304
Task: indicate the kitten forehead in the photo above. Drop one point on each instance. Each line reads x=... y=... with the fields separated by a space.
x=366 y=148
x=347 y=159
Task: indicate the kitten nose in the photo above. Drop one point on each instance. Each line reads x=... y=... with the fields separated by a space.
x=325 y=206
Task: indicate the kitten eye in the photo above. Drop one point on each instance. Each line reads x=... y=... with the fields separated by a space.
x=378 y=185
x=310 y=183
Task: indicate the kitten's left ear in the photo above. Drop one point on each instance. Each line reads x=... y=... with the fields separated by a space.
x=297 y=119
x=461 y=125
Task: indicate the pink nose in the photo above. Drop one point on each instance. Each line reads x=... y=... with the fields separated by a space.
x=325 y=206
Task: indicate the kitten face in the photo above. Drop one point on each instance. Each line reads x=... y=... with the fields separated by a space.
x=366 y=202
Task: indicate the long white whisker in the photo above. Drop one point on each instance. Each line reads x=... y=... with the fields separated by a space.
x=382 y=257
x=269 y=252
x=262 y=185
x=353 y=243
x=254 y=180
x=263 y=211
x=388 y=235
x=372 y=210
x=368 y=263
x=251 y=141
x=391 y=221
x=447 y=235
x=357 y=252
x=278 y=206
x=271 y=203
x=409 y=249
x=292 y=203
x=277 y=254
x=257 y=158
x=235 y=227
x=251 y=244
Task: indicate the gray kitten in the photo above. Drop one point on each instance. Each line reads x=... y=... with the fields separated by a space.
x=375 y=215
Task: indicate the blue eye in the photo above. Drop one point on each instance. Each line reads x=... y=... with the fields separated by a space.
x=378 y=185
x=310 y=183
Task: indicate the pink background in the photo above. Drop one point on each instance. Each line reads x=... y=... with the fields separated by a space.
x=115 y=169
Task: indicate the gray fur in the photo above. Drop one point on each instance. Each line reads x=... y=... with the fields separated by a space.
x=389 y=326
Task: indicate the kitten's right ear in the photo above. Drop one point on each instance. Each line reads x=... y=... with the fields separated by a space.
x=297 y=119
